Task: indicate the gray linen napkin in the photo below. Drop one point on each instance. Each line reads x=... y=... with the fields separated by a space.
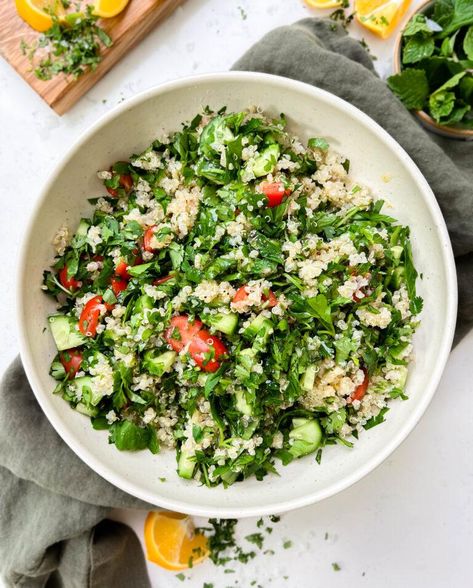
x=53 y=526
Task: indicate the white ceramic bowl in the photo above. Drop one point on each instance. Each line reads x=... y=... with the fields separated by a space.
x=375 y=158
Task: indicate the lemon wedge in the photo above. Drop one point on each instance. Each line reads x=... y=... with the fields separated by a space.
x=109 y=8
x=37 y=13
x=380 y=16
x=172 y=542
x=323 y=3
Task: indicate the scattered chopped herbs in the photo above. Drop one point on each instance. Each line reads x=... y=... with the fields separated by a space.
x=243 y=13
x=287 y=544
x=256 y=538
x=437 y=63
x=181 y=577
x=71 y=46
x=336 y=567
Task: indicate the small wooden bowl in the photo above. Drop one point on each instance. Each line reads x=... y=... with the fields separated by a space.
x=425 y=119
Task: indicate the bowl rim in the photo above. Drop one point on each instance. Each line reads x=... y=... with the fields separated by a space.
x=406 y=427
x=424 y=117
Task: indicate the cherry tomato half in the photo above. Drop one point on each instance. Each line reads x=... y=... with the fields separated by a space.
x=71 y=360
x=118 y=285
x=242 y=294
x=125 y=181
x=90 y=315
x=205 y=349
x=68 y=283
x=274 y=192
x=148 y=239
x=360 y=390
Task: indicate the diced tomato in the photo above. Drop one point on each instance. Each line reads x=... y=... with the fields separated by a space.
x=181 y=332
x=162 y=280
x=360 y=391
x=274 y=192
x=71 y=360
x=121 y=270
x=90 y=315
x=242 y=294
x=148 y=238
x=126 y=181
x=118 y=285
x=68 y=283
x=205 y=349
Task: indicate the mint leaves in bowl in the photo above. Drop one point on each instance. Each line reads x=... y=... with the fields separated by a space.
x=434 y=67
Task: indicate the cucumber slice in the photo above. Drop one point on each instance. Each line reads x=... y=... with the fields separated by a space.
x=266 y=161
x=157 y=365
x=398 y=276
x=65 y=332
x=308 y=379
x=86 y=391
x=83 y=228
x=260 y=324
x=242 y=404
x=226 y=323
x=397 y=250
x=143 y=302
x=229 y=477
x=306 y=436
x=186 y=464
x=87 y=410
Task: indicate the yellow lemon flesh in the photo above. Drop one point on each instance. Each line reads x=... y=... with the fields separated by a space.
x=109 y=8
x=380 y=16
x=37 y=13
x=323 y=3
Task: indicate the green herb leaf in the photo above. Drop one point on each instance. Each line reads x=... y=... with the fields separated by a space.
x=468 y=43
x=417 y=48
x=411 y=87
x=129 y=437
x=318 y=143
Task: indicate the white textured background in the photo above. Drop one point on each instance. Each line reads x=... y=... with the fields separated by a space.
x=407 y=524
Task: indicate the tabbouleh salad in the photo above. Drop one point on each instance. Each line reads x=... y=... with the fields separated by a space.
x=235 y=296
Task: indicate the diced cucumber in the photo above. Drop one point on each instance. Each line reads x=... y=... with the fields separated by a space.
x=308 y=379
x=306 y=436
x=143 y=302
x=157 y=365
x=83 y=228
x=397 y=250
x=245 y=360
x=186 y=464
x=65 y=332
x=266 y=161
x=229 y=477
x=87 y=410
x=398 y=276
x=86 y=391
x=242 y=404
x=260 y=324
x=226 y=323
x=403 y=371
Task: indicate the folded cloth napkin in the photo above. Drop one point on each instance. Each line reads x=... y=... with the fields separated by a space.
x=53 y=526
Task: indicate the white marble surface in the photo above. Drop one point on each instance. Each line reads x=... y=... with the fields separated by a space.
x=409 y=523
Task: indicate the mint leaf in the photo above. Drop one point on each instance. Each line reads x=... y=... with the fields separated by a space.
x=417 y=48
x=457 y=115
x=417 y=24
x=468 y=43
x=411 y=87
x=441 y=104
x=465 y=88
x=452 y=15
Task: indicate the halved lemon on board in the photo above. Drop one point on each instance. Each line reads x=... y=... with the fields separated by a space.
x=37 y=13
x=323 y=3
x=380 y=16
x=109 y=8
x=171 y=541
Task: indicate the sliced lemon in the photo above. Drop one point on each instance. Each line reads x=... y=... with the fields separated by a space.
x=109 y=8
x=380 y=16
x=171 y=541
x=323 y=3
x=37 y=13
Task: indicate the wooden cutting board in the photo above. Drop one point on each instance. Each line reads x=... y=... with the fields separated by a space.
x=126 y=29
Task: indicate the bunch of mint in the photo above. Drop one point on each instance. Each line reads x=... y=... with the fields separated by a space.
x=437 y=63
